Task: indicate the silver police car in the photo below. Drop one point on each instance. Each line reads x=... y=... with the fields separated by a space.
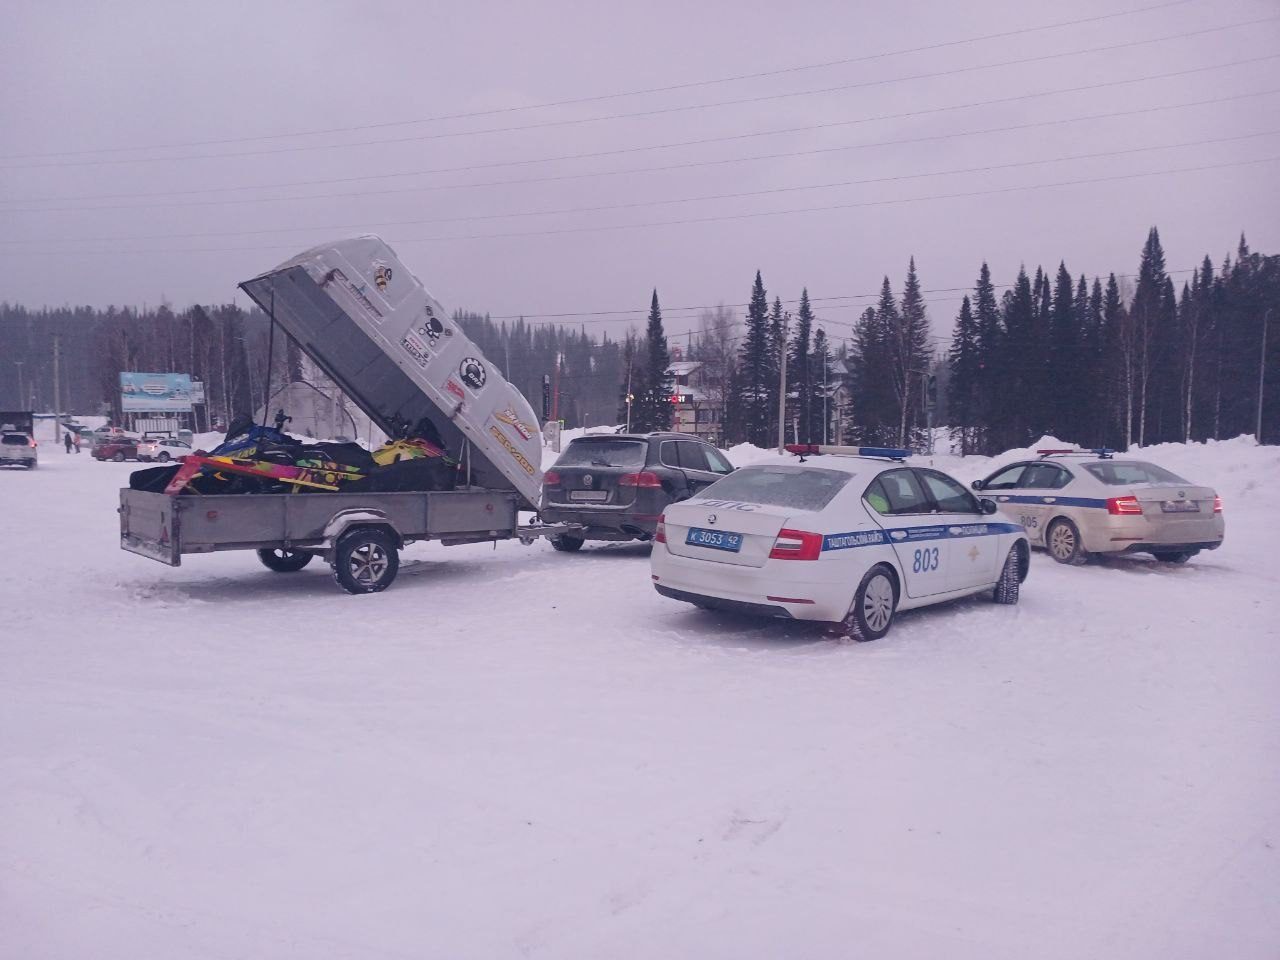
x=1080 y=502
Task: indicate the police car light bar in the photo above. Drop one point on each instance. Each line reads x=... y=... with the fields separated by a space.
x=1102 y=453
x=813 y=449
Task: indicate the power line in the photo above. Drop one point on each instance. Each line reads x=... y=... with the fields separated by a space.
x=694 y=220
x=687 y=165
x=645 y=148
x=679 y=200
x=595 y=98
x=1123 y=45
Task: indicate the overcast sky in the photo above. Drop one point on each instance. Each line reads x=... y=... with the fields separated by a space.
x=185 y=223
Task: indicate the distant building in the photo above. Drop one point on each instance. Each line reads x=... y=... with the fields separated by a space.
x=696 y=411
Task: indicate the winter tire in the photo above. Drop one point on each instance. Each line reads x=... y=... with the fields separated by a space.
x=1063 y=540
x=873 y=606
x=366 y=560
x=566 y=543
x=1010 y=583
x=117 y=457
x=1177 y=556
x=163 y=458
x=284 y=561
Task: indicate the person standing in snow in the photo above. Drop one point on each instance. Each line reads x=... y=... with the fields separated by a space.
x=66 y=440
x=76 y=440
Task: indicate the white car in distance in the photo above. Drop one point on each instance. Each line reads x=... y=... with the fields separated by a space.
x=850 y=539
x=162 y=449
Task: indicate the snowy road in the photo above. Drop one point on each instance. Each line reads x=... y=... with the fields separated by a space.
x=515 y=752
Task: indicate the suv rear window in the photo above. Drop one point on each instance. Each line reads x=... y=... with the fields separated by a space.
x=603 y=453
x=14 y=440
x=800 y=488
x=1133 y=471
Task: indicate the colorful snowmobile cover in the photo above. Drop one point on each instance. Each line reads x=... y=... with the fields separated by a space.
x=354 y=308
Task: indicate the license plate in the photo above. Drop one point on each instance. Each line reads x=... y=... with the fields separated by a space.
x=592 y=496
x=715 y=539
x=1180 y=506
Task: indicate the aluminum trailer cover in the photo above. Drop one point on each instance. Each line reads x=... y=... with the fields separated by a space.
x=368 y=322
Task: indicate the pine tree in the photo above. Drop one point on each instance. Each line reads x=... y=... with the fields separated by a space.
x=1063 y=395
x=964 y=360
x=990 y=342
x=1147 y=311
x=820 y=377
x=777 y=355
x=652 y=406
x=872 y=418
x=751 y=389
x=910 y=358
x=800 y=370
x=1018 y=376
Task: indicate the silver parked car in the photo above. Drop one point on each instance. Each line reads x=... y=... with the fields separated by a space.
x=1076 y=503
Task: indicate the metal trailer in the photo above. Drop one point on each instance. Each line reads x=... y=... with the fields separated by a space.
x=371 y=326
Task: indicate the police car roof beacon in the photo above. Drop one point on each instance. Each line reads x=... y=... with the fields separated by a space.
x=1102 y=453
x=803 y=450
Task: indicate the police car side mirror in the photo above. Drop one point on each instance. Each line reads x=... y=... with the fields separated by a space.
x=977 y=484
x=988 y=506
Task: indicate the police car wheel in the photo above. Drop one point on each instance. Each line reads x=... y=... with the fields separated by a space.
x=873 y=606
x=1064 y=543
x=566 y=544
x=1009 y=585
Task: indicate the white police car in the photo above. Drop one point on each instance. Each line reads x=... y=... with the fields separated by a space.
x=848 y=539
x=1078 y=502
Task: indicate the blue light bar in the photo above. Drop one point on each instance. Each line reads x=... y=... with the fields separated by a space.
x=1104 y=452
x=892 y=453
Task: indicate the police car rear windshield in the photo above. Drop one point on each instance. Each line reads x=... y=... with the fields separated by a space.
x=800 y=488
x=603 y=453
x=1120 y=473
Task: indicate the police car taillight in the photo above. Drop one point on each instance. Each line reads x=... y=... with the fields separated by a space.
x=660 y=531
x=1124 y=506
x=1217 y=504
x=796 y=545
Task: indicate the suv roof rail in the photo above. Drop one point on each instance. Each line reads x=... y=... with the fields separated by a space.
x=803 y=450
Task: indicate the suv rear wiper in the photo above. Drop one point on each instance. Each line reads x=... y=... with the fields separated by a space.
x=602 y=463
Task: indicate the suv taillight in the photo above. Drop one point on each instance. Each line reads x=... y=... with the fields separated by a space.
x=642 y=479
x=1217 y=504
x=796 y=545
x=1124 y=507
x=551 y=478
x=32 y=441
x=660 y=531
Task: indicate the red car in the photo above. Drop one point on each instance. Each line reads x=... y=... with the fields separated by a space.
x=117 y=450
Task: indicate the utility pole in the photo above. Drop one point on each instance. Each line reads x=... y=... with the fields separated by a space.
x=21 y=392
x=1262 y=376
x=57 y=405
x=782 y=385
x=628 y=398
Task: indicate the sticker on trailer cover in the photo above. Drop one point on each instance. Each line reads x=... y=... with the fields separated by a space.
x=431 y=328
x=512 y=420
x=414 y=346
x=516 y=455
x=472 y=372
x=381 y=275
x=355 y=289
x=455 y=388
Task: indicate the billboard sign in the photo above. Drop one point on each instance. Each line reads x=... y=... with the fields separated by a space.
x=197 y=391
x=155 y=392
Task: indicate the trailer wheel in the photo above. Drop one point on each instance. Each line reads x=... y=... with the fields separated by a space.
x=365 y=560
x=566 y=543
x=284 y=561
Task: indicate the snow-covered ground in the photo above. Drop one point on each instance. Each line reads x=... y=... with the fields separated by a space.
x=515 y=752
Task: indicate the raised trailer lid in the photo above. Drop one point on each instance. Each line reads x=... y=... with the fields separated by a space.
x=369 y=323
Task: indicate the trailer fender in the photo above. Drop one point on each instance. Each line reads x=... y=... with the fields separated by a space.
x=344 y=520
